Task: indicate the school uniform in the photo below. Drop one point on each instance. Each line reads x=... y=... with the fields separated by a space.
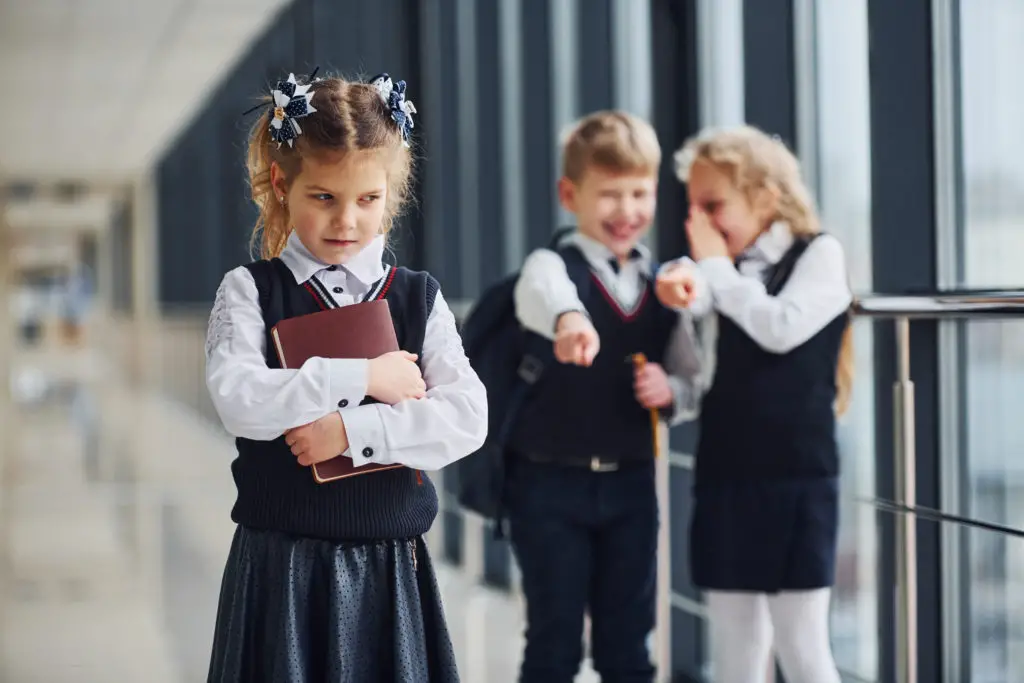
x=333 y=581
x=765 y=514
x=582 y=505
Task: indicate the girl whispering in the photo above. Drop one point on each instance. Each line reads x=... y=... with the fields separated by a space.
x=765 y=518
x=332 y=582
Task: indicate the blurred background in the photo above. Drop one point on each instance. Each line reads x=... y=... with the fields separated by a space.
x=123 y=200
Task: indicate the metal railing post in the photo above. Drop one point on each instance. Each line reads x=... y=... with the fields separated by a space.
x=906 y=529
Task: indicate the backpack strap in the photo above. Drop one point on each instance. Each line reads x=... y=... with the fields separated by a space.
x=578 y=268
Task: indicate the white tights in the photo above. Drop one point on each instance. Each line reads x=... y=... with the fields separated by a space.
x=747 y=627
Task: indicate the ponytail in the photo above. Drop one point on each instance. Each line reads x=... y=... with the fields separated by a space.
x=270 y=234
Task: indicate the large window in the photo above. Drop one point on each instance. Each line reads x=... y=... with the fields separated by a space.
x=844 y=192
x=992 y=353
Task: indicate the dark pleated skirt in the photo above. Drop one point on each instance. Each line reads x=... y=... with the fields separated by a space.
x=301 y=610
x=765 y=536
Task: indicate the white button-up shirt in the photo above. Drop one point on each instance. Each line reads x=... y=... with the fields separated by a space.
x=260 y=403
x=544 y=291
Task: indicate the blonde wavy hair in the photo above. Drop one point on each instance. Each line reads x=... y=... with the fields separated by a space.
x=350 y=117
x=753 y=161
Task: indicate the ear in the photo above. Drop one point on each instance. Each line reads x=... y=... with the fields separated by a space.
x=567 y=194
x=278 y=180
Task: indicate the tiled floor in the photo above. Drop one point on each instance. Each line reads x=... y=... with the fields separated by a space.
x=114 y=528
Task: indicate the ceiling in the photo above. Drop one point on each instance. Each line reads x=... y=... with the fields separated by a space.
x=95 y=88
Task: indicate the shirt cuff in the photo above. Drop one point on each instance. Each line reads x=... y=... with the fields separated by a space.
x=718 y=271
x=348 y=382
x=365 y=430
x=683 y=405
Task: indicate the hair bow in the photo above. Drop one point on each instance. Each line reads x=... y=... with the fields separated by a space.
x=291 y=102
x=393 y=95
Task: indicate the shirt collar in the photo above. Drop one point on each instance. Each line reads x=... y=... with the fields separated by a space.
x=771 y=245
x=596 y=252
x=366 y=266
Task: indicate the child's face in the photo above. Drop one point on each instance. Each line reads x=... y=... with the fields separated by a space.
x=616 y=209
x=731 y=212
x=336 y=204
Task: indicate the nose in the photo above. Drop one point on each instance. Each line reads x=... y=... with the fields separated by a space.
x=344 y=219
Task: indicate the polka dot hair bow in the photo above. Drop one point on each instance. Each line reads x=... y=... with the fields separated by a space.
x=291 y=103
x=393 y=95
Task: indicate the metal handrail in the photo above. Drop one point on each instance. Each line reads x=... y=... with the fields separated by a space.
x=949 y=304
x=962 y=304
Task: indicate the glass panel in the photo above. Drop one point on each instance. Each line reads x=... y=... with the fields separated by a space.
x=845 y=196
x=997 y=593
x=992 y=107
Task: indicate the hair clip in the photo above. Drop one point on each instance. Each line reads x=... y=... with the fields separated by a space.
x=393 y=95
x=291 y=102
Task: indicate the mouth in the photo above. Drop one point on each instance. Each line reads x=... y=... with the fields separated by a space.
x=622 y=230
x=339 y=243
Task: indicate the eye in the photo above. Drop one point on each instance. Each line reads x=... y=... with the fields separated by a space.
x=323 y=197
x=711 y=207
x=371 y=198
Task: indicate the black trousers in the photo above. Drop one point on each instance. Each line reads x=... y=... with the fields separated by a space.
x=584 y=541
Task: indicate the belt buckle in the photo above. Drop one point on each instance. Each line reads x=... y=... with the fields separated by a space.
x=597 y=466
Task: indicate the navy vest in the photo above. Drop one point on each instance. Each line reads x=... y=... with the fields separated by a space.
x=770 y=415
x=275 y=492
x=577 y=412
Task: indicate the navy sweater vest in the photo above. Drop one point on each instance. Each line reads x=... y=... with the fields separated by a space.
x=578 y=412
x=276 y=493
x=770 y=415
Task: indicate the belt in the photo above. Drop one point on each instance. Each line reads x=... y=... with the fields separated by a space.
x=594 y=463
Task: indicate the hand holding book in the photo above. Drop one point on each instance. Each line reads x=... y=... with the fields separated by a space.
x=394 y=377
x=318 y=441
x=363 y=330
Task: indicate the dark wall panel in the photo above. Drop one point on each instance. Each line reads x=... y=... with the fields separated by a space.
x=538 y=129
x=903 y=260
x=769 y=67
x=594 y=56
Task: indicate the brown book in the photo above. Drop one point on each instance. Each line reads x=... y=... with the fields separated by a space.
x=363 y=330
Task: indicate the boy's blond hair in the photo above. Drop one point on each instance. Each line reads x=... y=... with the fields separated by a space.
x=614 y=141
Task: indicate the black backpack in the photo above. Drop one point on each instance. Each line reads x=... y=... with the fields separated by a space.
x=509 y=360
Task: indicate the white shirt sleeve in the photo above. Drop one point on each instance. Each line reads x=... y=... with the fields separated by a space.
x=815 y=294
x=544 y=292
x=449 y=423
x=253 y=400
x=683 y=363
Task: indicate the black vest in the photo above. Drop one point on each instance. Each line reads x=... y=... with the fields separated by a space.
x=576 y=412
x=275 y=492
x=770 y=415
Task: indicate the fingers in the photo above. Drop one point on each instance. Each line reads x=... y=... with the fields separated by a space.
x=651 y=395
x=589 y=349
x=409 y=356
x=578 y=348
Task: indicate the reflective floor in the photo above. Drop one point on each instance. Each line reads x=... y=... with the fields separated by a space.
x=115 y=528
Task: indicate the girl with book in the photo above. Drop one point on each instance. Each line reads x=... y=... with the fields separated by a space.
x=332 y=581
x=766 y=495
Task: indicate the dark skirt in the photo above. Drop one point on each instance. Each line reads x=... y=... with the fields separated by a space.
x=301 y=610
x=765 y=536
